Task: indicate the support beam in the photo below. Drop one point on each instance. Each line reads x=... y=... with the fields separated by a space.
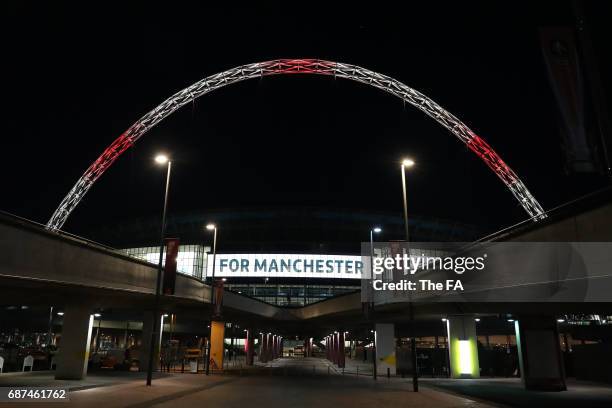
x=540 y=358
x=384 y=338
x=147 y=331
x=217 y=339
x=341 y=359
x=249 y=346
x=463 y=347
x=74 y=344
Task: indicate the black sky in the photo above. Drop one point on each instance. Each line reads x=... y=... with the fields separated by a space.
x=76 y=78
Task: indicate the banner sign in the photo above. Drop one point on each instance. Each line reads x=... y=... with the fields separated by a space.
x=172 y=248
x=287 y=266
x=565 y=77
x=218 y=299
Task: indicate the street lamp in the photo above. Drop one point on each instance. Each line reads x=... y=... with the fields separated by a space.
x=375 y=230
x=159 y=159
x=211 y=227
x=406 y=164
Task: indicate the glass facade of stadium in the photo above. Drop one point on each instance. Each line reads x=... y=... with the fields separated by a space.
x=193 y=260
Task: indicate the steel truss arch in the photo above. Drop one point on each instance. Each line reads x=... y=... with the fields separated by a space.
x=295 y=66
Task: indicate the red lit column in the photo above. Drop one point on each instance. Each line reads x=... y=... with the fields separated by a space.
x=336 y=344
x=341 y=350
x=249 y=345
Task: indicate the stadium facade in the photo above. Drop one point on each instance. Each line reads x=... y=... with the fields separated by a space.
x=288 y=257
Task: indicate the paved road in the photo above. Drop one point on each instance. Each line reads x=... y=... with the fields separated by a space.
x=510 y=392
x=255 y=390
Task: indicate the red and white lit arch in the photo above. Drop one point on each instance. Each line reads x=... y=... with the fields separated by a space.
x=295 y=66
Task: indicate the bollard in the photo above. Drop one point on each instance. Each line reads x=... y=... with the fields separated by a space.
x=388 y=373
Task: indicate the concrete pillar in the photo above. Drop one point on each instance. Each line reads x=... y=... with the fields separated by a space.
x=384 y=338
x=249 y=345
x=463 y=347
x=217 y=344
x=74 y=347
x=337 y=348
x=341 y=360
x=266 y=351
x=147 y=331
x=332 y=347
x=540 y=358
x=262 y=348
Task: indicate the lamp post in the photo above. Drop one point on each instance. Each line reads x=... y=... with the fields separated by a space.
x=375 y=230
x=159 y=159
x=408 y=163
x=211 y=227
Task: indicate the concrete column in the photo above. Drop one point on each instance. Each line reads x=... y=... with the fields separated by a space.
x=337 y=348
x=217 y=344
x=262 y=348
x=147 y=331
x=341 y=360
x=540 y=358
x=385 y=348
x=463 y=347
x=74 y=346
x=266 y=351
x=249 y=345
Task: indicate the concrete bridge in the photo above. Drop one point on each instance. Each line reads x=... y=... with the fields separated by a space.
x=40 y=267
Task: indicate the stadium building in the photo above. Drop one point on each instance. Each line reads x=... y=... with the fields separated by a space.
x=287 y=257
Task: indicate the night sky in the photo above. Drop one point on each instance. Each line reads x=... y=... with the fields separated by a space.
x=75 y=78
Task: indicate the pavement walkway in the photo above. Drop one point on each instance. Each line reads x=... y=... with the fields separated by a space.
x=236 y=391
x=510 y=392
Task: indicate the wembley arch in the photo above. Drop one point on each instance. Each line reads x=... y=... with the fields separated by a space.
x=285 y=67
